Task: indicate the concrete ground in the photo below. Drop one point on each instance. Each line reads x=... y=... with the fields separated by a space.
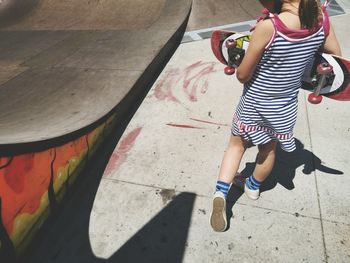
x=153 y=202
x=164 y=170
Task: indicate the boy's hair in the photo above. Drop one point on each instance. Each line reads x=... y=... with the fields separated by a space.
x=309 y=13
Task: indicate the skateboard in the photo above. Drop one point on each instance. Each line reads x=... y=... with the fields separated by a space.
x=326 y=75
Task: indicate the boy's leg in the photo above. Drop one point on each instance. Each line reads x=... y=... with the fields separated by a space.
x=264 y=165
x=228 y=169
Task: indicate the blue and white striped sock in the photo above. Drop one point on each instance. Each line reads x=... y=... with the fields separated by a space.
x=252 y=183
x=222 y=187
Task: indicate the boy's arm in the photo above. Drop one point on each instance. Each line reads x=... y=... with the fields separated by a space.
x=260 y=38
x=331 y=44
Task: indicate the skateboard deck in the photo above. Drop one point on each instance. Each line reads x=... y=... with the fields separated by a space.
x=326 y=75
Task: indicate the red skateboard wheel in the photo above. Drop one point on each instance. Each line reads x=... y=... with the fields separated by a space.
x=230 y=43
x=229 y=71
x=315 y=99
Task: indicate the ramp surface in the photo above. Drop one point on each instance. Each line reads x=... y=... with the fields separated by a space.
x=86 y=14
x=66 y=64
x=209 y=13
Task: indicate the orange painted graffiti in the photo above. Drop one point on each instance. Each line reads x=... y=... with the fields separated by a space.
x=24 y=179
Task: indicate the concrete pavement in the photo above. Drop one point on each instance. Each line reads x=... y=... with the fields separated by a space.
x=174 y=145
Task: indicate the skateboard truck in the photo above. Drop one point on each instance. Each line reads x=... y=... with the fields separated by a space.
x=323 y=70
x=235 y=56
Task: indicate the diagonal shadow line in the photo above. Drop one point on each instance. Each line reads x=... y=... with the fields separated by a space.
x=164 y=238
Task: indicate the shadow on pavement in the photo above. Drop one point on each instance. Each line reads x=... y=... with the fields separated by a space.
x=66 y=237
x=164 y=238
x=283 y=172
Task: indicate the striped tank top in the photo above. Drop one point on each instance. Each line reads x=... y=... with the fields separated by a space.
x=268 y=106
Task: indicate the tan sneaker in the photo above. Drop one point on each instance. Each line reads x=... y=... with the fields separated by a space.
x=218 y=220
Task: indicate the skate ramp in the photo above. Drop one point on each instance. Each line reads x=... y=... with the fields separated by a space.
x=66 y=65
x=210 y=13
x=78 y=15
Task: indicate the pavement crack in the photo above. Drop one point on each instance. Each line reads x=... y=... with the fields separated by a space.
x=316 y=182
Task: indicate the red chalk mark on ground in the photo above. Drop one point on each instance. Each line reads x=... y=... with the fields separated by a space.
x=164 y=88
x=120 y=155
x=210 y=122
x=185 y=126
x=193 y=78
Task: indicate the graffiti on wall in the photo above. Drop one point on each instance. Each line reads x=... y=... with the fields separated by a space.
x=32 y=184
